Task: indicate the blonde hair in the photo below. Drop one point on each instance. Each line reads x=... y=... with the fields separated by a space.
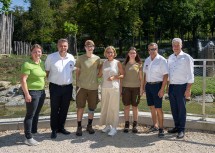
x=112 y=48
x=89 y=42
x=36 y=46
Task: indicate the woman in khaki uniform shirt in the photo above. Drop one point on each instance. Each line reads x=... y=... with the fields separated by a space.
x=132 y=87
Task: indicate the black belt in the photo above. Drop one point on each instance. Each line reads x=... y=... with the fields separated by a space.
x=62 y=85
x=178 y=84
x=154 y=82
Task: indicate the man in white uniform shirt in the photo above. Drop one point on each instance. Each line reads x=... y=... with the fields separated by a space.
x=155 y=79
x=181 y=77
x=59 y=67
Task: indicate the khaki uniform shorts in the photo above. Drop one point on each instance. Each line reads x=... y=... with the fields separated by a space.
x=85 y=95
x=131 y=96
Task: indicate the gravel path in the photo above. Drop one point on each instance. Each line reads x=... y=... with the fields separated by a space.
x=194 y=142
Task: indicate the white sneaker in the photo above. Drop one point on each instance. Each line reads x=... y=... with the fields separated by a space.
x=31 y=142
x=112 y=132
x=107 y=128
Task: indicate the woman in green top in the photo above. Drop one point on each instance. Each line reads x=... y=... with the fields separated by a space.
x=132 y=87
x=33 y=82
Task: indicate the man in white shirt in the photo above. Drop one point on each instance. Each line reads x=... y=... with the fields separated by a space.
x=59 y=67
x=155 y=79
x=181 y=77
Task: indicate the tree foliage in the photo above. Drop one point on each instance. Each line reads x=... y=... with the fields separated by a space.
x=116 y=22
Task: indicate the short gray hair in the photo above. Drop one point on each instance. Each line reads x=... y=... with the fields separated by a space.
x=62 y=40
x=177 y=40
x=153 y=44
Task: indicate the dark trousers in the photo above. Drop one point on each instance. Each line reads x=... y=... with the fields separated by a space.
x=32 y=112
x=60 y=97
x=178 y=105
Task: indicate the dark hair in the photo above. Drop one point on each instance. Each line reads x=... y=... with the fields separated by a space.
x=137 y=58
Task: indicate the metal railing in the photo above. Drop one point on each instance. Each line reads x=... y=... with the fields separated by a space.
x=208 y=70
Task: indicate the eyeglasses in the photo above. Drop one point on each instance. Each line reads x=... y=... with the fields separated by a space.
x=110 y=52
x=152 y=49
x=89 y=46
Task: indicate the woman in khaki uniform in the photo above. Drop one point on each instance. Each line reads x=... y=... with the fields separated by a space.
x=132 y=87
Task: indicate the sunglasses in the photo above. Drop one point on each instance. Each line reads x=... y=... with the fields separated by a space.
x=153 y=49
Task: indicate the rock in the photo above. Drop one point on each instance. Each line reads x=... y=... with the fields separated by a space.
x=15 y=101
x=209 y=98
x=5 y=84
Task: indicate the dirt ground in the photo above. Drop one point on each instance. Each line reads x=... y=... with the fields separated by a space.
x=195 y=141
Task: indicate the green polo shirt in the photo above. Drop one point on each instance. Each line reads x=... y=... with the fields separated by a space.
x=36 y=75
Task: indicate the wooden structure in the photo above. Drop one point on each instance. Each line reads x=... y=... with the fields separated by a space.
x=6 y=33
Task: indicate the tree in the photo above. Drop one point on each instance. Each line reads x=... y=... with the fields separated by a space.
x=5 y=5
x=72 y=30
x=41 y=17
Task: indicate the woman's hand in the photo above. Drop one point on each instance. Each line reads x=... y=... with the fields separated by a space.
x=28 y=98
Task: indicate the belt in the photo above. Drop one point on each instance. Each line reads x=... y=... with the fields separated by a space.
x=62 y=85
x=178 y=84
x=154 y=82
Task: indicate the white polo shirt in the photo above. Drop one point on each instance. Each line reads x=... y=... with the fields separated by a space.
x=155 y=69
x=60 y=69
x=181 y=68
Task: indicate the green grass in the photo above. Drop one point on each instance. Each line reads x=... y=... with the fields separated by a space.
x=192 y=108
x=10 y=71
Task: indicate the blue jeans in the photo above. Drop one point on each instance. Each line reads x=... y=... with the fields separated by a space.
x=178 y=105
x=33 y=109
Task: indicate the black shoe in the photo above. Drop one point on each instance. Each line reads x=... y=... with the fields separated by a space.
x=53 y=135
x=134 y=129
x=173 y=130
x=161 y=133
x=90 y=129
x=180 y=135
x=79 y=131
x=33 y=132
x=126 y=128
x=153 y=129
x=64 y=131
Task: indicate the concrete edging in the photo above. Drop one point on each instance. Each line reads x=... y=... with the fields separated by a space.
x=144 y=118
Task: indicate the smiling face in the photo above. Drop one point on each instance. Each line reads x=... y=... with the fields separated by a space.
x=36 y=54
x=110 y=54
x=176 y=47
x=89 y=48
x=153 y=50
x=132 y=54
x=62 y=47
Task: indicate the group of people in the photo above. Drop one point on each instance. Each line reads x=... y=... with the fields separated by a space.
x=118 y=79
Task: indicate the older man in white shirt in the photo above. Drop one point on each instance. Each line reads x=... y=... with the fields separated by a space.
x=155 y=79
x=181 y=77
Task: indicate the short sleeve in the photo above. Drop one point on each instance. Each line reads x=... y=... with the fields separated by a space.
x=48 y=64
x=25 y=69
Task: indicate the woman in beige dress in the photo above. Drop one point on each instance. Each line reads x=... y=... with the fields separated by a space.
x=111 y=72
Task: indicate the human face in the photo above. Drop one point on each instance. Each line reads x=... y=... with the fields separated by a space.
x=36 y=54
x=176 y=47
x=62 y=47
x=132 y=54
x=89 y=48
x=110 y=54
x=153 y=51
